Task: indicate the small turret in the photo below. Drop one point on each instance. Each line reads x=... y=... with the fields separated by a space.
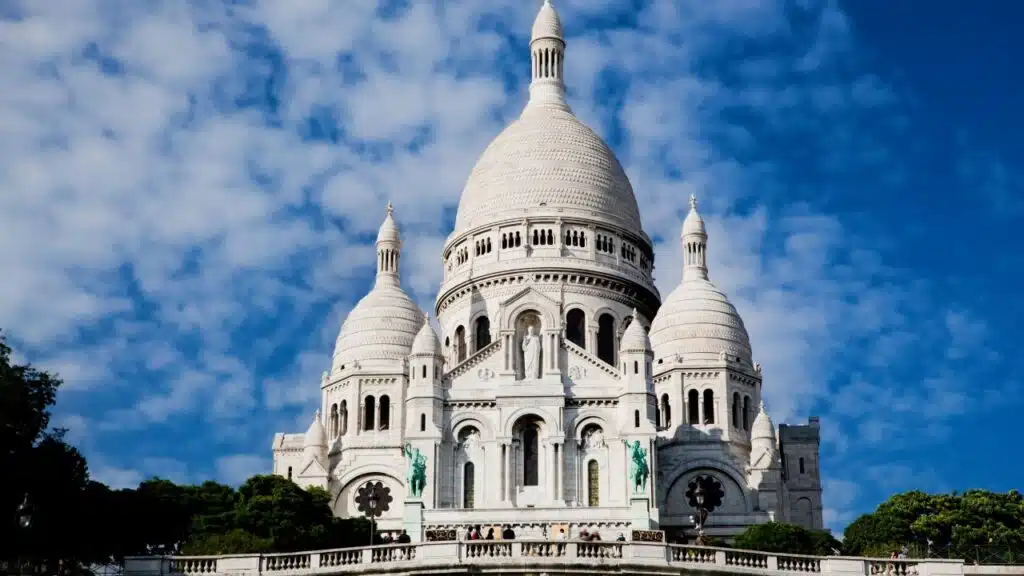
x=762 y=435
x=547 y=56
x=423 y=395
x=695 y=244
x=636 y=359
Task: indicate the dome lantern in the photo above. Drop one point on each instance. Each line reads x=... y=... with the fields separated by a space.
x=547 y=59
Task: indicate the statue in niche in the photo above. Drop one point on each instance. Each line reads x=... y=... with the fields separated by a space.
x=531 y=355
x=594 y=438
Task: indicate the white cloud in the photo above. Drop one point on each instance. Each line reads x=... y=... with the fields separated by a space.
x=237 y=468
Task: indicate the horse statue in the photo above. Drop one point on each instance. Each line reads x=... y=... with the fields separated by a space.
x=638 y=469
x=417 y=475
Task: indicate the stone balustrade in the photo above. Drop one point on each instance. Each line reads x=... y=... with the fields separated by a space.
x=537 y=556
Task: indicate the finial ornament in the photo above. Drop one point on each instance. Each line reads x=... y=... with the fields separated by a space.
x=693 y=201
x=316 y=415
x=762 y=406
x=390 y=208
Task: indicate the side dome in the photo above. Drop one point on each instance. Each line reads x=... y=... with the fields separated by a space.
x=426 y=342
x=316 y=436
x=635 y=339
x=549 y=161
x=763 y=429
x=380 y=329
x=697 y=321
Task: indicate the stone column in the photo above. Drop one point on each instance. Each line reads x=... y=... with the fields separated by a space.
x=552 y=479
x=592 y=339
x=506 y=449
x=559 y=470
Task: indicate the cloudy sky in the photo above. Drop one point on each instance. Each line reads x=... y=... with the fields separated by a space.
x=188 y=191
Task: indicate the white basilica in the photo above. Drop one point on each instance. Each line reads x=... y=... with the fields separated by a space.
x=554 y=347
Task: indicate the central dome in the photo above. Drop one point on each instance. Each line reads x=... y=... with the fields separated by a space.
x=550 y=160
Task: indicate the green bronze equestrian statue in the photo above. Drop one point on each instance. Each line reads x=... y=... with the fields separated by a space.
x=417 y=476
x=638 y=469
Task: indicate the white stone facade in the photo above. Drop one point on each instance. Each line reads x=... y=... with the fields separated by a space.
x=548 y=250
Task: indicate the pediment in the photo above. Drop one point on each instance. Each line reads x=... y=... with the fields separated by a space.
x=313 y=469
x=529 y=294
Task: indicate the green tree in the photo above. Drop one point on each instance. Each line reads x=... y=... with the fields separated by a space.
x=975 y=525
x=786 y=538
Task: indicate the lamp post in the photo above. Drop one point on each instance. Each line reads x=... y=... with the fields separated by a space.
x=700 y=495
x=372 y=501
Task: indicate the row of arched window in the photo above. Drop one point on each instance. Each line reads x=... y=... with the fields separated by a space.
x=511 y=240
x=628 y=253
x=547 y=63
x=481 y=338
x=483 y=246
x=576 y=238
x=605 y=244
x=376 y=416
x=576 y=332
x=543 y=237
x=462 y=256
x=703 y=405
x=742 y=417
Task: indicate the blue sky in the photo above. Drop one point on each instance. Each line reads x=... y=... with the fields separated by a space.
x=189 y=191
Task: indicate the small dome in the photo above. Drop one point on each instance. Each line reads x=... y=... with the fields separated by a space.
x=316 y=437
x=635 y=339
x=693 y=224
x=547 y=24
x=426 y=342
x=388 y=231
x=698 y=321
x=380 y=329
x=763 y=429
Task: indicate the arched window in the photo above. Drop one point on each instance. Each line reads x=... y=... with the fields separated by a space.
x=343 y=417
x=693 y=407
x=369 y=412
x=593 y=483
x=666 y=411
x=736 y=410
x=801 y=462
x=289 y=472
x=423 y=422
x=606 y=338
x=334 y=423
x=709 y=407
x=385 y=413
x=636 y=367
x=530 y=455
x=576 y=327
x=482 y=333
x=460 y=345
x=468 y=485
x=746 y=412
x=636 y=418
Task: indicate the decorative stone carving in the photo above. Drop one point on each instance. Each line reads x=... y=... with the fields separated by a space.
x=593 y=438
x=757 y=367
x=485 y=374
x=577 y=373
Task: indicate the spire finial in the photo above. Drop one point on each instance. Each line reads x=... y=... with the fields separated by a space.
x=761 y=407
x=316 y=415
x=693 y=201
x=390 y=208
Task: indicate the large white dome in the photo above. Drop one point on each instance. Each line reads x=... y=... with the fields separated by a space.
x=549 y=161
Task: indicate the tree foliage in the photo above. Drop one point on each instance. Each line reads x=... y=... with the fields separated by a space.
x=73 y=519
x=786 y=538
x=970 y=525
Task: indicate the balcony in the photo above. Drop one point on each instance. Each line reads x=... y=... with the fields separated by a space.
x=534 y=556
